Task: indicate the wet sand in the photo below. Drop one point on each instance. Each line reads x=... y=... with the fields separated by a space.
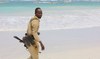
x=60 y=44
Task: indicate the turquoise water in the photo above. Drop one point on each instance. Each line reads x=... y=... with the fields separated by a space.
x=27 y=6
x=66 y=15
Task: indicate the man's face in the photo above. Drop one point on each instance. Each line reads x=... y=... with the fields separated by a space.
x=39 y=13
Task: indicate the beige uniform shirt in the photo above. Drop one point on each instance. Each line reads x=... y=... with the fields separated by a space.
x=33 y=28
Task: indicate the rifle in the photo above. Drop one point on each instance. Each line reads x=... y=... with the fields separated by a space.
x=21 y=41
x=26 y=40
x=18 y=39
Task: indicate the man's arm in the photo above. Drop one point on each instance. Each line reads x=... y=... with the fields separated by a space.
x=35 y=26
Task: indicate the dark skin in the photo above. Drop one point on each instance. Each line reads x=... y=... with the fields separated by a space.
x=39 y=15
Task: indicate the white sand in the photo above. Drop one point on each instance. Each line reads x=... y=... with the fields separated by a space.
x=60 y=44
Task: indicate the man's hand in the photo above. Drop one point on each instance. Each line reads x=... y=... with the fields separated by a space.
x=42 y=46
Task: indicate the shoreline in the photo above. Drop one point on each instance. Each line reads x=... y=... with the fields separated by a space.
x=19 y=30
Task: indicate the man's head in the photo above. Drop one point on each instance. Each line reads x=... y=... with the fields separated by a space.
x=38 y=12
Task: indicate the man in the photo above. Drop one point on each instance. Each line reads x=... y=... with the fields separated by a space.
x=33 y=27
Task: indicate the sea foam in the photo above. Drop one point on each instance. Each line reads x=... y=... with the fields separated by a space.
x=53 y=20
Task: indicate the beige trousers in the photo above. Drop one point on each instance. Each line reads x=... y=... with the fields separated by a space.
x=33 y=50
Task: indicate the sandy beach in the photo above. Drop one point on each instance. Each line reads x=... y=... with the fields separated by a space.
x=60 y=44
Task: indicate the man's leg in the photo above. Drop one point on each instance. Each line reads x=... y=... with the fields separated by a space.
x=33 y=49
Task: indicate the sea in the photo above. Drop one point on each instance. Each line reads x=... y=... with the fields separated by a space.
x=14 y=16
